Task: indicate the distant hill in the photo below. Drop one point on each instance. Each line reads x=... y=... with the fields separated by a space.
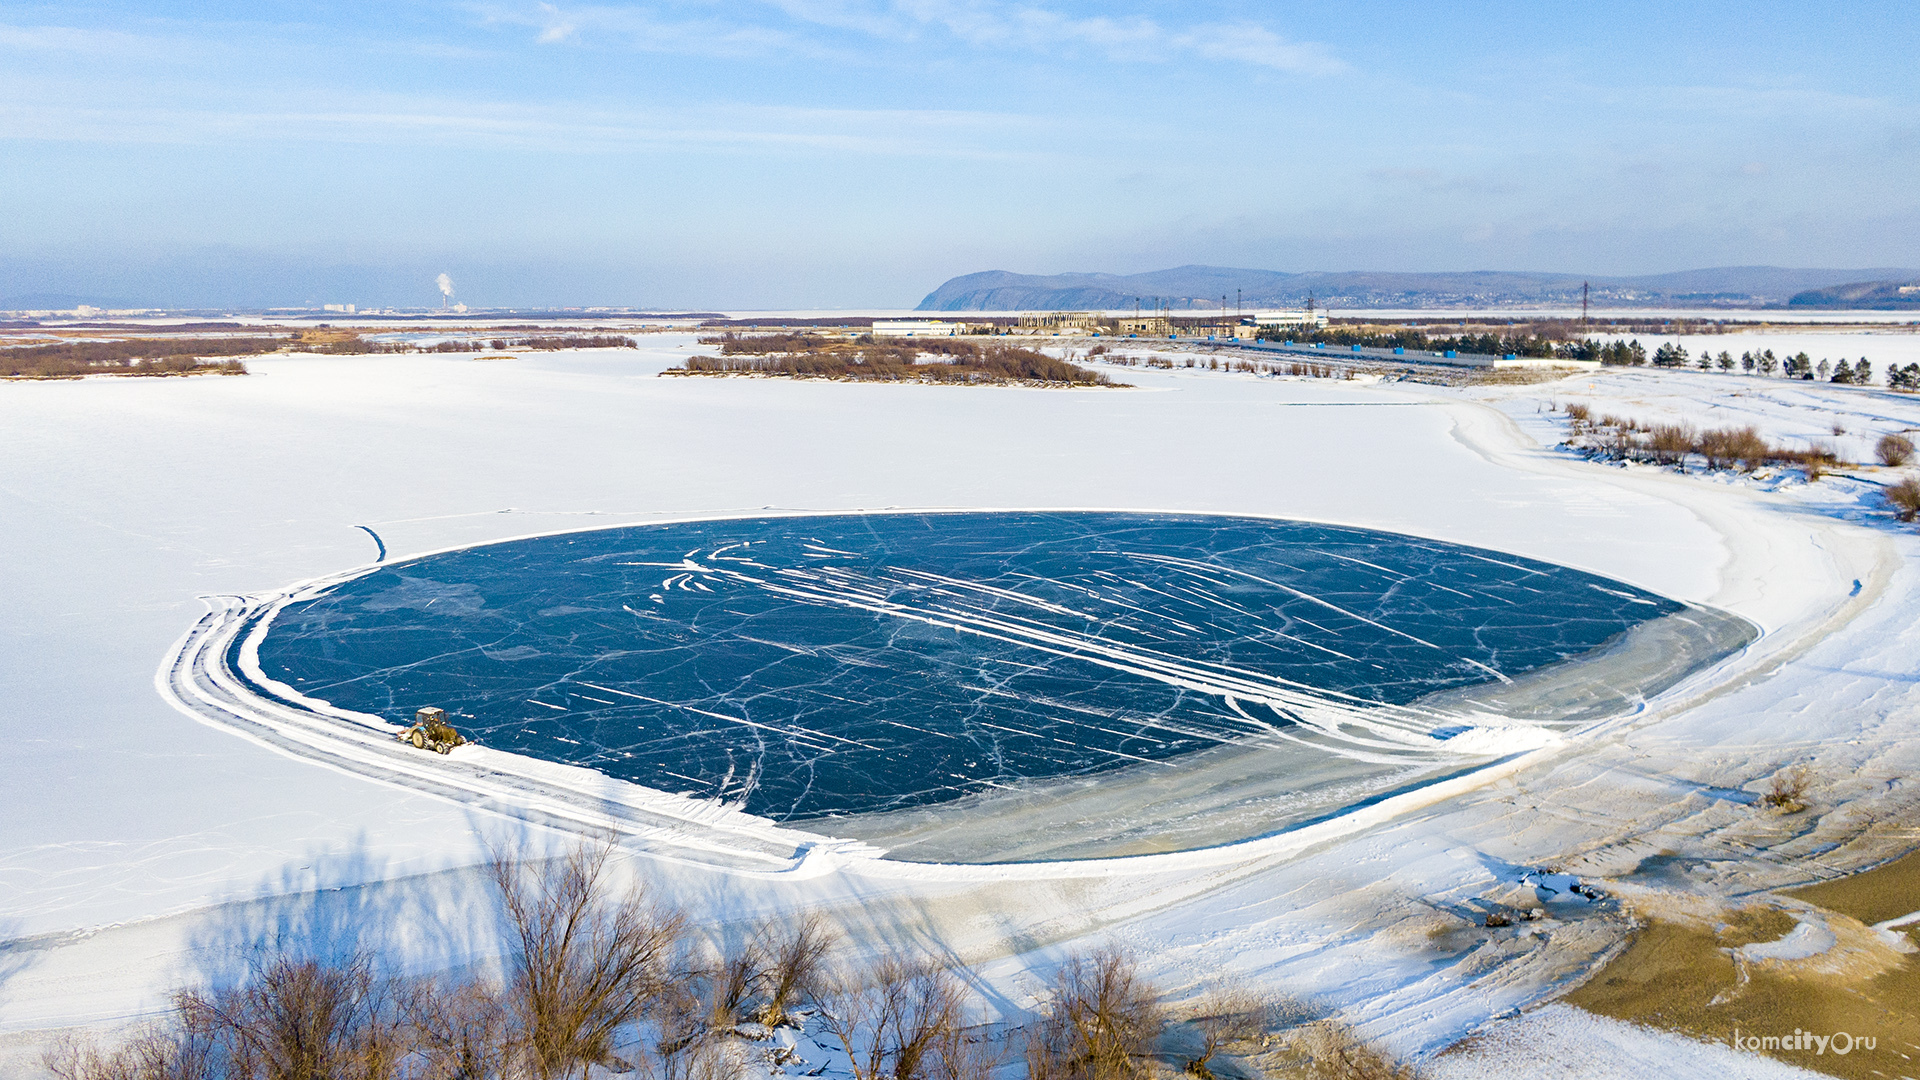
x=1192 y=287
x=1863 y=295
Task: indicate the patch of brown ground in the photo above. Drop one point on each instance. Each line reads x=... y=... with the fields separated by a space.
x=1885 y=892
x=1681 y=976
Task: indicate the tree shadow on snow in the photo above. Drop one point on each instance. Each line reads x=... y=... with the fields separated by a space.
x=336 y=905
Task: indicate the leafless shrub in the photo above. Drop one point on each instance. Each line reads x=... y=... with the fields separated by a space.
x=1578 y=411
x=796 y=958
x=582 y=963
x=705 y=1059
x=1893 y=450
x=460 y=1030
x=1231 y=1014
x=1101 y=1023
x=902 y=1020
x=1905 y=497
x=1787 y=792
x=1518 y=376
x=300 y=1019
x=1334 y=1052
x=1838 y=428
x=158 y=1053
x=1727 y=447
x=1817 y=460
x=710 y=998
x=1671 y=443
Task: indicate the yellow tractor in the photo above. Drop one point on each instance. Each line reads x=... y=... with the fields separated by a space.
x=430 y=731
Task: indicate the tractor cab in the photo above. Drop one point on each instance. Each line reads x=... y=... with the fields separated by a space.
x=430 y=731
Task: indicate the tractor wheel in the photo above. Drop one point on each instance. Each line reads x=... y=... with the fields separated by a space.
x=445 y=748
x=419 y=740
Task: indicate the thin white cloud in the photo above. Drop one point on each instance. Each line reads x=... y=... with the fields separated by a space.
x=647 y=30
x=557 y=128
x=55 y=40
x=979 y=23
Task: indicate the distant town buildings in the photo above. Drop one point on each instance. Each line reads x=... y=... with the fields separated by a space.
x=1062 y=322
x=1224 y=325
x=919 y=328
x=1307 y=317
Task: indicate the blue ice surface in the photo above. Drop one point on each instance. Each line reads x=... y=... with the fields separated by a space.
x=811 y=666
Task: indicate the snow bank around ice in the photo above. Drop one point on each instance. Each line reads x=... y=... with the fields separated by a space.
x=1573 y=1044
x=1498 y=739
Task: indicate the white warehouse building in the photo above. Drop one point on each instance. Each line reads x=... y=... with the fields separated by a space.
x=918 y=328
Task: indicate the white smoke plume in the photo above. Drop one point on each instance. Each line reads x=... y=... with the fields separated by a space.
x=446 y=285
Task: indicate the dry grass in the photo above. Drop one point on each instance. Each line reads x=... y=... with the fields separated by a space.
x=1520 y=376
x=1229 y=1016
x=1330 y=1050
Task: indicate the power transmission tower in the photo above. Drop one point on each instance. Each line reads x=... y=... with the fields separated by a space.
x=1583 y=303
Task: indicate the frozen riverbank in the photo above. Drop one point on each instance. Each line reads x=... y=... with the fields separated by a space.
x=131 y=831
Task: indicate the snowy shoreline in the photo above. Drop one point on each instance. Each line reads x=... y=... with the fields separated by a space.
x=121 y=879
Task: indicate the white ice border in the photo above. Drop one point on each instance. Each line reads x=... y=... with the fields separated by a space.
x=195 y=679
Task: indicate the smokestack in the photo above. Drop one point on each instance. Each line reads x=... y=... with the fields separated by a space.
x=446 y=290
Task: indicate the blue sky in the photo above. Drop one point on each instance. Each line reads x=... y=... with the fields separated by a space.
x=824 y=153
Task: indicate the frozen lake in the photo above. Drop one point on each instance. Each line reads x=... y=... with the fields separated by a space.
x=807 y=667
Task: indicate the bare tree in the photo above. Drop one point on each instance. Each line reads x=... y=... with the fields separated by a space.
x=1102 y=1022
x=796 y=958
x=902 y=1020
x=300 y=1020
x=582 y=963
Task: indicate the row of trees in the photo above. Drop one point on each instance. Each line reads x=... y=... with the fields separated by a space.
x=1763 y=362
x=966 y=362
x=132 y=356
x=1528 y=341
x=355 y=345
x=593 y=973
x=1565 y=341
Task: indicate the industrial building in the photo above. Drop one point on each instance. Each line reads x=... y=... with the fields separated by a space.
x=919 y=328
x=1307 y=317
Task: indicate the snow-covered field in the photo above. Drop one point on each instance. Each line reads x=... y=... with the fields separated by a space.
x=139 y=848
